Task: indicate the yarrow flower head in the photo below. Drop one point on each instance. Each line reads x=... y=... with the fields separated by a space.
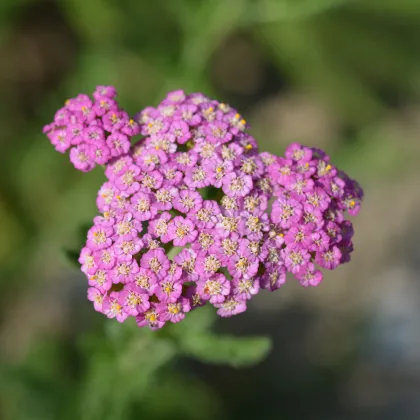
x=94 y=131
x=185 y=211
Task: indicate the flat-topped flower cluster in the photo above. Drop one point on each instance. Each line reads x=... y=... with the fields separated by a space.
x=94 y=131
x=193 y=213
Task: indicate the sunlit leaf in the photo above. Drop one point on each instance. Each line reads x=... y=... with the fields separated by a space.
x=234 y=351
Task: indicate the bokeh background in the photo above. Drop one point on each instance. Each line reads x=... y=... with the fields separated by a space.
x=342 y=75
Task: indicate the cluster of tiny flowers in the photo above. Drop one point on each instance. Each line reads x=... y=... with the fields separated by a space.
x=94 y=131
x=309 y=227
x=185 y=216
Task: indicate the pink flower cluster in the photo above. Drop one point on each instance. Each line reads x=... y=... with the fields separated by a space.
x=308 y=214
x=94 y=131
x=185 y=215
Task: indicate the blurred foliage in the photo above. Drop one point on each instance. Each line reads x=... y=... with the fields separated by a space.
x=119 y=369
x=360 y=56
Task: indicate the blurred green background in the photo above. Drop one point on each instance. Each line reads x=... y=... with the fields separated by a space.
x=343 y=75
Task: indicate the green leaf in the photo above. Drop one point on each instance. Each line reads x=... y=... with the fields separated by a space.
x=202 y=402
x=197 y=322
x=121 y=368
x=233 y=351
x=72 y=257
x=266 y=11
x=82 y=232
